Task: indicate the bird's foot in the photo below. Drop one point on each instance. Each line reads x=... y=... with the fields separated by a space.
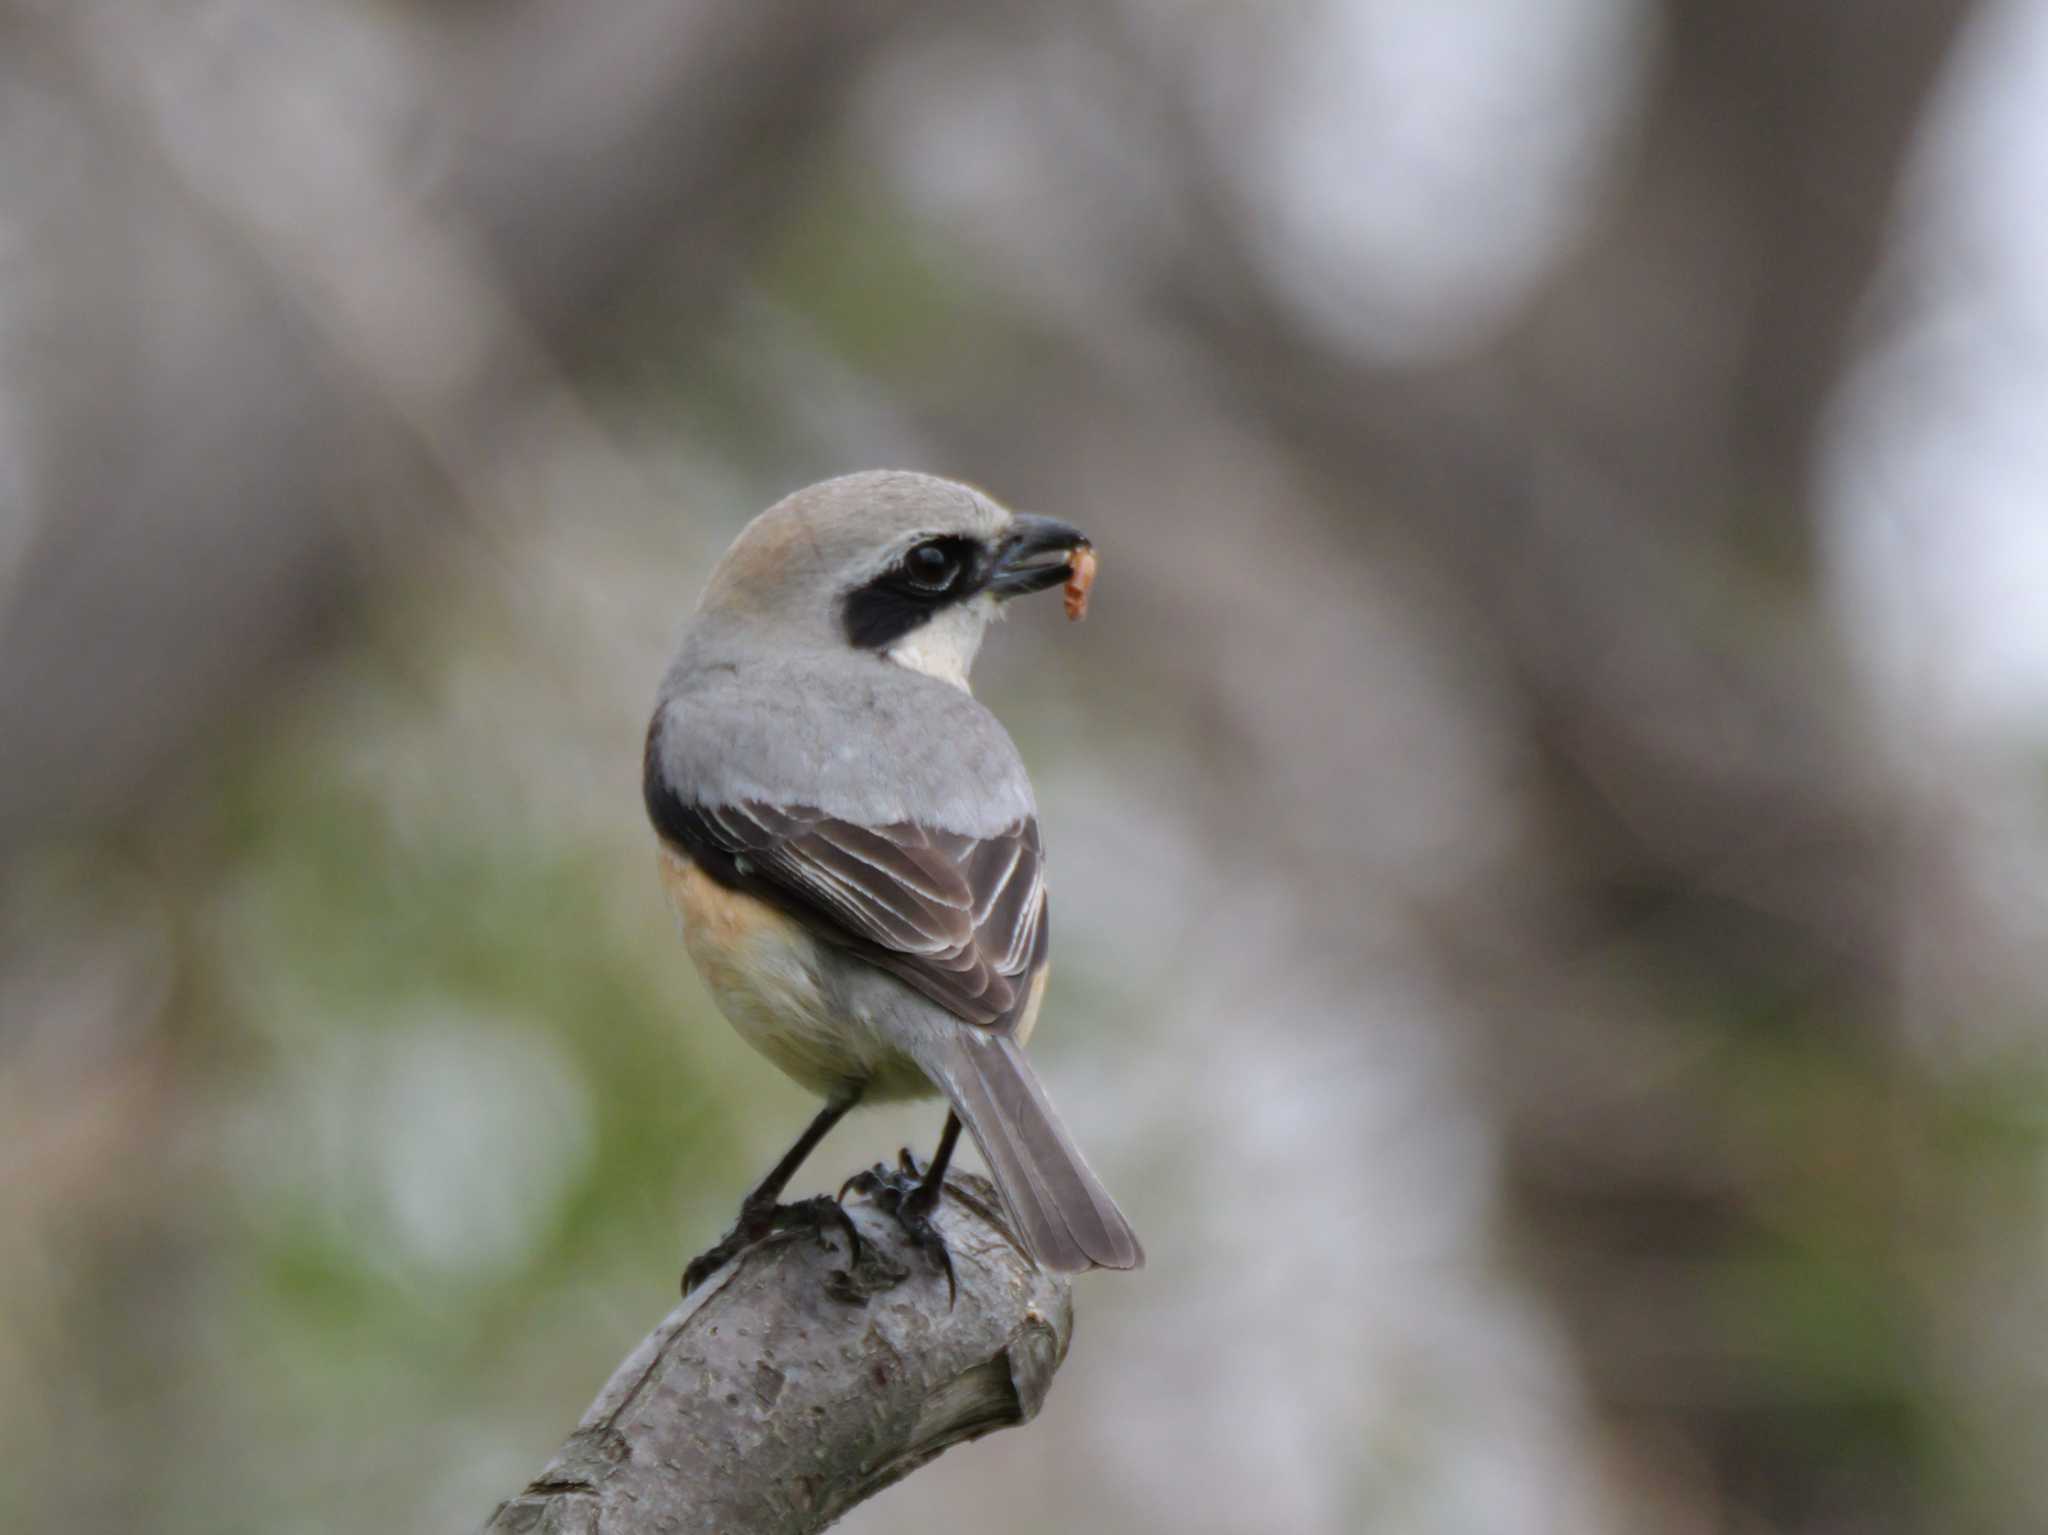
x=767 y=1221
x=907 y=1194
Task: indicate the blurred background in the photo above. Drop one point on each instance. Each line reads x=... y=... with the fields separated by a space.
x=1549 y=814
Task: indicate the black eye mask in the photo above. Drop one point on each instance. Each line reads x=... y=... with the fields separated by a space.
x=932 y=577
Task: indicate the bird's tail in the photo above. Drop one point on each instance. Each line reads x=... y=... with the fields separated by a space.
x=1063 y=1214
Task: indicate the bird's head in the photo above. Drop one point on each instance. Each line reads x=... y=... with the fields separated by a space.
x=907 y=567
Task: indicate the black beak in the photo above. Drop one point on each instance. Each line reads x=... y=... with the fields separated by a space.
x=1033 y=556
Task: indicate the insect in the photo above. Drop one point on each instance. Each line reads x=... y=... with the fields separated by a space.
x=1080 y=577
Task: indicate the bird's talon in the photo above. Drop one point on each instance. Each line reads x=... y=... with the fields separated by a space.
x=905 y=1195
x=885 y=1190
x=860 y=1183
x=914 y=1216
x=761 y=1222
x=830 y=1210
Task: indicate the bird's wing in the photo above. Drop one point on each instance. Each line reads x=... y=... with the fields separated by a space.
x=960 y=918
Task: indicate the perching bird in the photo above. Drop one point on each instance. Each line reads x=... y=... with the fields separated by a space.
x=852 y=843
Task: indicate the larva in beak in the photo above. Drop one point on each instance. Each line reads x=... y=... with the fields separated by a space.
x=1080 y=577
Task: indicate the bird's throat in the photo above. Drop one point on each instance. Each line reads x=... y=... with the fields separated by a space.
x=944 y=648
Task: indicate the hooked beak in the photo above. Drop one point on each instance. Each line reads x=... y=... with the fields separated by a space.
x=1033 y=556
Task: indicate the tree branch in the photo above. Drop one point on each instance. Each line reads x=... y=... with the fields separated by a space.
x=789 y=1388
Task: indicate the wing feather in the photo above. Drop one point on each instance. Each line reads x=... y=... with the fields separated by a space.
x=960 y=918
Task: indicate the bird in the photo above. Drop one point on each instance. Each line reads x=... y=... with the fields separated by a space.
x=851 y=842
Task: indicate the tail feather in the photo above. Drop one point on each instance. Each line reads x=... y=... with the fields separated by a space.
x=1064 y=1216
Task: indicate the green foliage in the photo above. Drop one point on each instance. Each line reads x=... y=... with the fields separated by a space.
x=465 y=1094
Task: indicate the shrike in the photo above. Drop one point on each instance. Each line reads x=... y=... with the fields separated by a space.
x=852 y=844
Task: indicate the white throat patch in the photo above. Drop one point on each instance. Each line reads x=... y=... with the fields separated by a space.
x=945 y=648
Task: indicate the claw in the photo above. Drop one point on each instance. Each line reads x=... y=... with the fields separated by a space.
x=759 y=1223
x=755 y=1222
x=904 y=1194
x=866 y=1181
x=827 y=1210
x=914 y=1216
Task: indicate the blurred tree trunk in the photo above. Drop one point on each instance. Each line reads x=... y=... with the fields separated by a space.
x=1734 y=843
x=1701 y=994
x=311 y=273
x=285 y=285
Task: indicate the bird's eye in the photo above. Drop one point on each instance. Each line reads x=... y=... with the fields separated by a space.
x=932 y=575
x=935 y=565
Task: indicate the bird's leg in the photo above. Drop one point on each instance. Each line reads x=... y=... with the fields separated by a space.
x=911 y=1196
x=924 y=1199
x=914 y=1212
x=761 y=1216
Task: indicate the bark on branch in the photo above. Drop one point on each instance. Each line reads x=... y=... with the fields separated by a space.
x=788 y=1388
